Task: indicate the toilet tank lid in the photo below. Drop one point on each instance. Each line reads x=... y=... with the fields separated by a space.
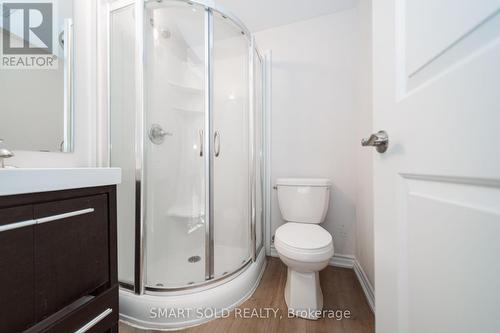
x=303 y=182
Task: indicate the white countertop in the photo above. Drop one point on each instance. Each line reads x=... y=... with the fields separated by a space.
x=24 y=180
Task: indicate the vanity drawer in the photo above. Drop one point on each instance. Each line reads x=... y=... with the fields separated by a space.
x=98 y=314
x=71 y=247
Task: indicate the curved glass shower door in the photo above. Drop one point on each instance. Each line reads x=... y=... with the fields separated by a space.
x=174 y=93
x=190 y=207
x=198 y=145
x=232 y=182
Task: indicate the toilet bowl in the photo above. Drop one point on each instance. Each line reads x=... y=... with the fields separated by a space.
x=303 y=245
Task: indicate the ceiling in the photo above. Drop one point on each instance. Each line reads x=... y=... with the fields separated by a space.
x=264 y=14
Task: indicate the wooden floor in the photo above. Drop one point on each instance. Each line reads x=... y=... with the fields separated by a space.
x=341 y=291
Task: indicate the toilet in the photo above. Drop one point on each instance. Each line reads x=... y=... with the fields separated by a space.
x=302 y=244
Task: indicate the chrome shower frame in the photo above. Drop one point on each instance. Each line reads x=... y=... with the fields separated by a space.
x=139 y=285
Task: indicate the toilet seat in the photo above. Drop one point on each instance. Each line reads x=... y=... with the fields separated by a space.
x=303 y=242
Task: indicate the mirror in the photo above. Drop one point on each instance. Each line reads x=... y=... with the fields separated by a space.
x=36 y=75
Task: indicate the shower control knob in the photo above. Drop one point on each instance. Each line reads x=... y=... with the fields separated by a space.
x=157 y=134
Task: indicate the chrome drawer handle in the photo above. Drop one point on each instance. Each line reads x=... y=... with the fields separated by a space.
x=27 y=223
x=64 y=216
x=17 y=225
x=94 y=321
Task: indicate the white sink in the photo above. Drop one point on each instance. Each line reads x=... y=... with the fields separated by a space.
x=19 y=181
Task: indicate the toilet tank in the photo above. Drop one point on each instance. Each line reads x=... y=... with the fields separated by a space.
x=303 y=200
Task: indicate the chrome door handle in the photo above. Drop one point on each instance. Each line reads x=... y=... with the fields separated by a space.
x=380 y=140
x=200 y=133
x=217 y=143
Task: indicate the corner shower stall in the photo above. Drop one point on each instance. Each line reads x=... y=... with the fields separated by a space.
x=186 y=125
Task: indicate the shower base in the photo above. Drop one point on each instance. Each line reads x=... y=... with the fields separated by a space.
x=181 y=309
x=189 y=265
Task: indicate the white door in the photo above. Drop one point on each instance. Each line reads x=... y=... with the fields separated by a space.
x=437 y=188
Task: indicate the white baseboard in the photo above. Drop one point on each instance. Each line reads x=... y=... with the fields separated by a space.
x=349 y=261
x=365 y=284
x=342 y=260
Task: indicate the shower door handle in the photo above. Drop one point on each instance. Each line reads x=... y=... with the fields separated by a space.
x=217 y=143
x=200 y=132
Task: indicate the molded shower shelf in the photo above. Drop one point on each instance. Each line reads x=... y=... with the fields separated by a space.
x=185 y=212
x=189 y=89
x=186 y=110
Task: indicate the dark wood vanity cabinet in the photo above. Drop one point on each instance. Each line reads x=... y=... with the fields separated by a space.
x=58 y=261
x=16 y=270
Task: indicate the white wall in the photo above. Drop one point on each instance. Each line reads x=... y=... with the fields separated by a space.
x=321 y=108
x=85 y=101
x=313 y=112
x=364 y=156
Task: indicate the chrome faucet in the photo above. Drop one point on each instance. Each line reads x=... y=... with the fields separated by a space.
x=4 y=153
